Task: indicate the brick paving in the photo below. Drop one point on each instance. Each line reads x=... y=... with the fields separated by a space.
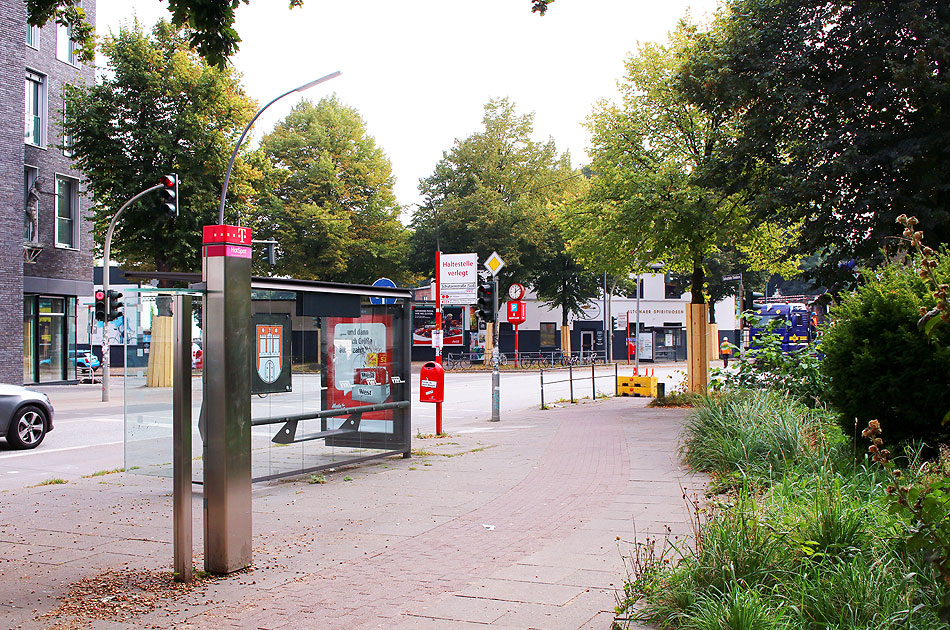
x=520 y=524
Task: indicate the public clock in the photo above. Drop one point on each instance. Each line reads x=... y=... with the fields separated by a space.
x=516 y=291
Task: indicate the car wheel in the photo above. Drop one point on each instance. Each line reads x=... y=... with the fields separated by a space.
x=28 y=428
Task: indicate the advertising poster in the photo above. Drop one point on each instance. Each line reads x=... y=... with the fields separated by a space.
x=359 y=370
x=423 y=323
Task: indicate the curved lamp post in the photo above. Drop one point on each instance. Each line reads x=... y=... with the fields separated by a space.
x=227 y=174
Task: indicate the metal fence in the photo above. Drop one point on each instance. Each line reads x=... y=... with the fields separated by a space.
x=579 y=375
x=545 y=359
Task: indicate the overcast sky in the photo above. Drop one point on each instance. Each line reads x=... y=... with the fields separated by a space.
x=420 y=71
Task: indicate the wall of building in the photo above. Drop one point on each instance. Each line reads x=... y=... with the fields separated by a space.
x=12 y=37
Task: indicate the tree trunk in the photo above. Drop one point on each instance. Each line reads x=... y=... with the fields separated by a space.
x=696 y=284
x=712 y=310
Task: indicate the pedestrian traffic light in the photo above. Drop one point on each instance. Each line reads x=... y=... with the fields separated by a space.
x=170 y=194
x=100 y=305
x=486 y=301
x=115 y=306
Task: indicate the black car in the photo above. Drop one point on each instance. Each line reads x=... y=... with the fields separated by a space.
x=26 y=416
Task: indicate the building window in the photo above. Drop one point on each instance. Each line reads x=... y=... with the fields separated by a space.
x=67 y=211
x=35 y=132
x=31 y=204
x=66 y=49
x=32 y=36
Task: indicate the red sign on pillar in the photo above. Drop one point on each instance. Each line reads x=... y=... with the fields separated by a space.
x=515 y=312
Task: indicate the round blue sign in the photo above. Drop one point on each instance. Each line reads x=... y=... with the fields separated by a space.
x=383 y=282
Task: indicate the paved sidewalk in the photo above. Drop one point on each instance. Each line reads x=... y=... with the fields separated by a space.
x=510 y=525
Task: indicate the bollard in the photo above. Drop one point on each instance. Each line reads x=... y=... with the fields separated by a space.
x=541 y=371
x=593 y=383
x=570 y=379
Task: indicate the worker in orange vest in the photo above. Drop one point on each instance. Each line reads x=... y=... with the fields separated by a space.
x=725 y=350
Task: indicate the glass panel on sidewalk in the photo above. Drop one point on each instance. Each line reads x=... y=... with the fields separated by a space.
x=340 y=349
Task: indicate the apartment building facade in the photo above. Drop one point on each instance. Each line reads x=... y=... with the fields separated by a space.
x=46 y=253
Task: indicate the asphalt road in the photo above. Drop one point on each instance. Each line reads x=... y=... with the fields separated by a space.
x=90 y=435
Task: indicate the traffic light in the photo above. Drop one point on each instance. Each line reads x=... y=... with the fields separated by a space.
x=486 y=301
x=170 y=194
x=115 y=306
x=613 y=322
x=748 y=300
x=100 y=305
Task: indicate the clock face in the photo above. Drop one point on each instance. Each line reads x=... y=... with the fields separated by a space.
x=516 y=291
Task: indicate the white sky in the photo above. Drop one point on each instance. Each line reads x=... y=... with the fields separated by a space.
x=420 y=71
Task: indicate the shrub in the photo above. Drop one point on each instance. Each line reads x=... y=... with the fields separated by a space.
x=879 y=365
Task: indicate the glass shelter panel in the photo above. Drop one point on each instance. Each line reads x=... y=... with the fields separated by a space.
x=148 y=373
x=344 y=354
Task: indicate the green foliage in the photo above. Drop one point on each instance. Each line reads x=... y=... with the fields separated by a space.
x=812 y=543
x=160 y=109
x=498 y=190
x=841 y=112
x=69 y=14
x=650 y=199
x=327 y=198
x=879 y=365
x=766 y=366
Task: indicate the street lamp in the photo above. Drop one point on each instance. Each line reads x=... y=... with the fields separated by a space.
x=227 y=174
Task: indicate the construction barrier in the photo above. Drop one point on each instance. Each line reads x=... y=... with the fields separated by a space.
x=637 y=385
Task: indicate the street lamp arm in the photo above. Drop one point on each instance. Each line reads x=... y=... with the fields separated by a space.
x=227 y=174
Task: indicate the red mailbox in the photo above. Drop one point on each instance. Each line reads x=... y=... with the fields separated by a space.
x=432 y=383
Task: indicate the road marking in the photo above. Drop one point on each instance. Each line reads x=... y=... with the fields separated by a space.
x=57 y=450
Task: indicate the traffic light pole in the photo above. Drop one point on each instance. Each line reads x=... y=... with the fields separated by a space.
x=495 y=375
x=105 y=289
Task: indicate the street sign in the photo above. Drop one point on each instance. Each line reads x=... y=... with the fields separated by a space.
x=494 y=263
x=732 y=277
x=458 y=278
x=383 y=282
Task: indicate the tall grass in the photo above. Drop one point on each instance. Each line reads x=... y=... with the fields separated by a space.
x=804 y=539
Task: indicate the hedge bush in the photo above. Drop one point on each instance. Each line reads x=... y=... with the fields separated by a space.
x=880 y=366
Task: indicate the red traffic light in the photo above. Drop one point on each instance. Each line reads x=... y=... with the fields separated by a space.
x=168 y=181
x=100 y=294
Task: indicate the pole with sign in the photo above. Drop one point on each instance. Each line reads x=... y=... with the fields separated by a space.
x=494 y=265
x=437 y=333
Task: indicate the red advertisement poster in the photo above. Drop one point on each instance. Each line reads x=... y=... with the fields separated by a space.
x=359 y=368
x=423 y=323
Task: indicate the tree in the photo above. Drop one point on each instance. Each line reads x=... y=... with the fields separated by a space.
x=160 y=109
x=210 y=23
x=650 y=200
x=494 y=191
x=842 y=114
x=329 y=199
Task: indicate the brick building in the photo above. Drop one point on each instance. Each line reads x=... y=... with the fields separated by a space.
x=46 y=251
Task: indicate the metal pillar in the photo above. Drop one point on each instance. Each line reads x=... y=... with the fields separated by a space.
x=226 y=270
x=495 y=376
x=181 y=438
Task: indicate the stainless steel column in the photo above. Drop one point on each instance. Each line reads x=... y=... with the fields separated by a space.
x=227 y=398
x=181 y=437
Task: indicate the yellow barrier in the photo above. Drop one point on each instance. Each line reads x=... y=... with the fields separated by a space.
x=637 y=386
